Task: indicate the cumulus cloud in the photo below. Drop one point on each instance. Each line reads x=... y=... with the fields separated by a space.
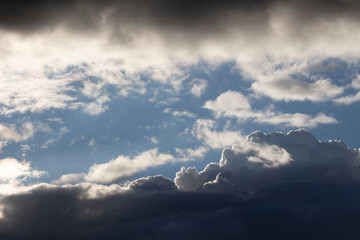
x=152 y=183
x=260 y=158
x=234 y=104
x=230 y=103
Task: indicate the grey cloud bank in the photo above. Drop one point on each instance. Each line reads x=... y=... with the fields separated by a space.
x=289 y=186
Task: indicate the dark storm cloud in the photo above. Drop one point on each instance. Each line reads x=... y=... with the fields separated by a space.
x=296 y=210
x=315 y=198
x=183 y=17
x=28 y=16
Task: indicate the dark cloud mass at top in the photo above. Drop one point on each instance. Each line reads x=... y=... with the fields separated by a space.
x=184 y=17
x=27 y=16
x=310 y=194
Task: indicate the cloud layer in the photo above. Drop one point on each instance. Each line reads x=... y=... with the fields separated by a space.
x=279 y=45
x=288 y=185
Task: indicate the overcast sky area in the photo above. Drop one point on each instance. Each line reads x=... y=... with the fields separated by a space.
x=159 y=119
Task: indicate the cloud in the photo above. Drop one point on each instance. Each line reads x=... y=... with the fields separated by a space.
x=268 y=180
x=229 y=103
x=70 y=178
x=234 y=104
x=273 y=43
x=152 y=183
x=179 y=114
x=199 y=86
x=349 y=99
x=97 y=107
x=56 y=120
x=244 y=157
x=32 y=91
x=154 y=140
x=298 y=90
x=92 y=143
x=261 y=158
x=205 y=130
x=124 y=166
x=189 y=154
x=298 y=120
x=28 y=129
x=7 y=133
x=13 y=173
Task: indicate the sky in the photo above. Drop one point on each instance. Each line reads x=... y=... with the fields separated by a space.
x=185 y=119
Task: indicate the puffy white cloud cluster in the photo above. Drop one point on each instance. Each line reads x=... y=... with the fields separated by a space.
x=234 y=104
x=14 y=173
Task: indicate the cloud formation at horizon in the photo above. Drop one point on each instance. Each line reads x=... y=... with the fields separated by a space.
x=263 y=170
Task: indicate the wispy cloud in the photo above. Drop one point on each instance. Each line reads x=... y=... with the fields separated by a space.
x=205 y=130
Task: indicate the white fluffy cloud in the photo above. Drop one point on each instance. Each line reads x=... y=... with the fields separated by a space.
x=124 y=166
x=234 y=104
x=10 y=168
x=230 y=103
x=13 y=173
